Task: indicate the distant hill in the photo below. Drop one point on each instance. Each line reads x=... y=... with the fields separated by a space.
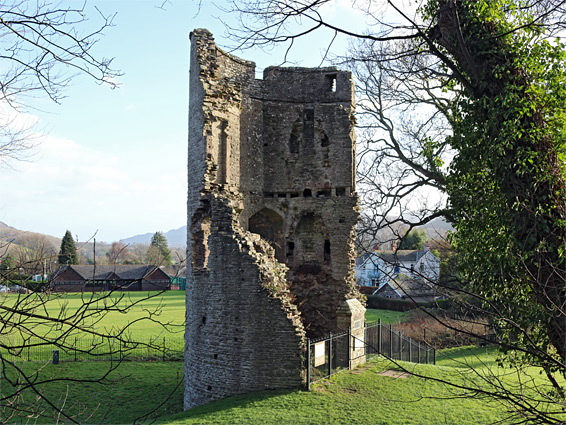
x=175 y=238
x=14 y=236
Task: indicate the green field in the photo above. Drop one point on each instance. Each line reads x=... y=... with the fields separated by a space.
x=146 y=315
x=154 y=388
x=361 y=396
x=137 y=324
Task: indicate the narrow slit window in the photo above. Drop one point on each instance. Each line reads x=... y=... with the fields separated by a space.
x=326 y=250
x=331 y=83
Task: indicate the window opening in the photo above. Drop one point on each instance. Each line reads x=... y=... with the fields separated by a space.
x=331 y=83
x=295 y=137
x=326 y=250
x=290 y=249
x=307 y=193
x=324 y=140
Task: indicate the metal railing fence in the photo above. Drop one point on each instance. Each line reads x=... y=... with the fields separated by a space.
x=333 y=353
x=34 y=349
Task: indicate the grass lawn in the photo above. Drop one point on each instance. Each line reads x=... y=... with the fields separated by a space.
x=154 y=318
x=146 y=311
x=360 y=396
x=387 y=316
x=131 y=391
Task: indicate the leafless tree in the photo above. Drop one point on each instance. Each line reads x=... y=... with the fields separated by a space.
x=43 y=46
x=118 y=251
x=32 y=253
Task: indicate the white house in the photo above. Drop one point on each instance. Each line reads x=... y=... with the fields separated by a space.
x=382 y=268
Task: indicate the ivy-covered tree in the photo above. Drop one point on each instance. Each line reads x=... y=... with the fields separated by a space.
x=68 y=251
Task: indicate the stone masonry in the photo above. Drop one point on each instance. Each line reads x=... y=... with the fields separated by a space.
x=271 y=215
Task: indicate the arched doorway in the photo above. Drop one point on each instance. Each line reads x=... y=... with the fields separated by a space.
x=269 y=225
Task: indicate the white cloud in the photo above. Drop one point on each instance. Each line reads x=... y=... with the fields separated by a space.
x=74 y=187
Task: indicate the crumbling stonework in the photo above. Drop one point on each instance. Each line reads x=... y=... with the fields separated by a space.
x=271 y=215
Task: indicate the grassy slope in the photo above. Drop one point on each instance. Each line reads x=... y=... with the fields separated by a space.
x=358 y=397
x=361 y=396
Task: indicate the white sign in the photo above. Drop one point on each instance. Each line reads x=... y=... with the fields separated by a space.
x=358 y=343
x=319 y=354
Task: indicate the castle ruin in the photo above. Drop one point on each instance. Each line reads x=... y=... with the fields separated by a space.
x=271 y=215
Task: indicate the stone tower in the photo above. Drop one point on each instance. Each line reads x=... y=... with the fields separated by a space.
x=271 y=215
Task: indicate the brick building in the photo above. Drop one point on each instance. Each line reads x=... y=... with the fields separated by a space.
x=75 y=278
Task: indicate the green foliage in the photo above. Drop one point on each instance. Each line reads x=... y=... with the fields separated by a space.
x=382 y=303
x=507 y=183
x=7 y=268
x=415 y=239
x=159 y=253
x=68 y=251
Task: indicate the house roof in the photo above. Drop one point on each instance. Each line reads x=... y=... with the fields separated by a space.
x=402 y=256
x=399 y=256
x=410 y=287
x=114 y=272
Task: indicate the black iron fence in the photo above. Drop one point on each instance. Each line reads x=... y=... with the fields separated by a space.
x=17 y=349
x=335 y=352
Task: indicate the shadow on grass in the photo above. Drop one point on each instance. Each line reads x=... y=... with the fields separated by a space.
x=240 y=402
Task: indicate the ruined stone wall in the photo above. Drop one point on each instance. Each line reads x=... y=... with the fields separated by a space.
x=271 y=213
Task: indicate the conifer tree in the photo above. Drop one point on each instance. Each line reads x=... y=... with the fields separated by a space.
x=68 y=251
x=159 y=253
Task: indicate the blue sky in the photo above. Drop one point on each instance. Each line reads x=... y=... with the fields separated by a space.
x=114 y=161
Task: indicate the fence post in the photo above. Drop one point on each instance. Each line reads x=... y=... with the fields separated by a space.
x=400 y=335
x=410 y=350
x=434 y=356
x=419 y=353
x=390 y=341
x=379 y=336
x=349 y=348
x=75 y=350
x=308 y=364
x=330 y=356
